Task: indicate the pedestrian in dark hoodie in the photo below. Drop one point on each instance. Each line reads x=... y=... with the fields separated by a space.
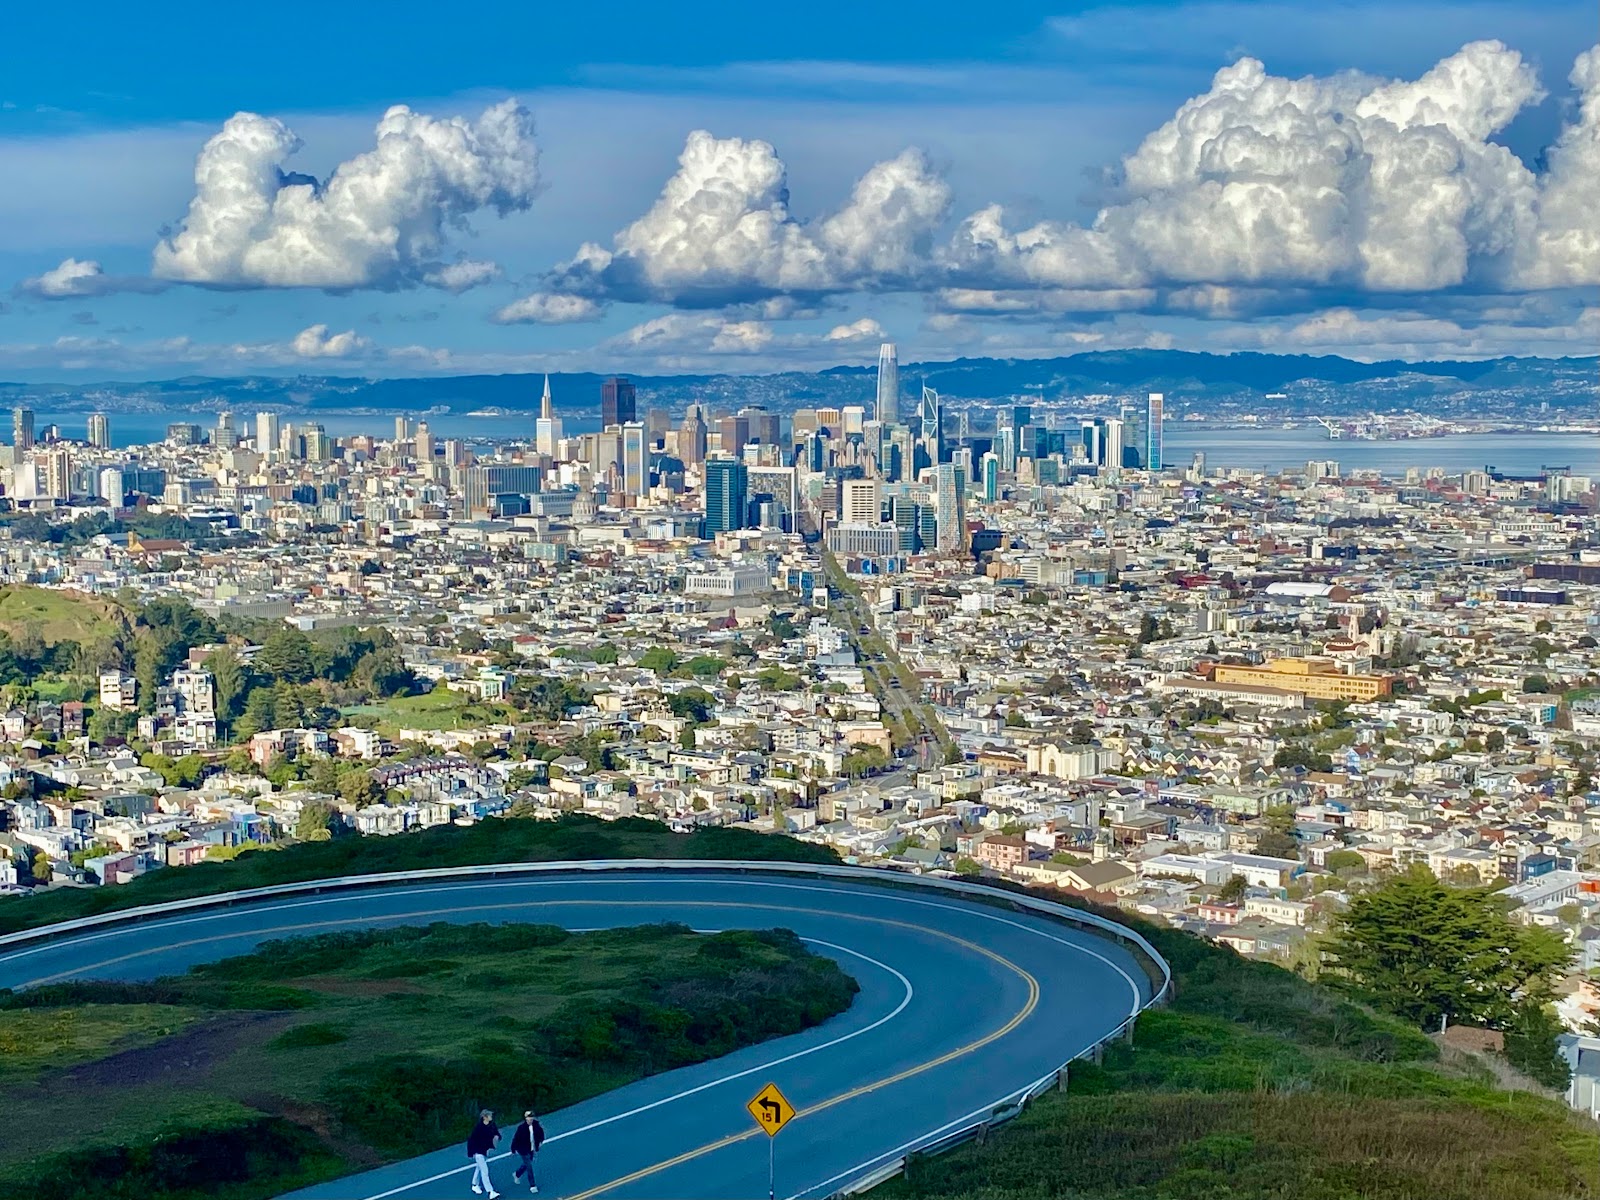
x=485 y=1136
x=525 y=1143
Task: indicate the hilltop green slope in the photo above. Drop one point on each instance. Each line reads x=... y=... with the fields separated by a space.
x=1257 y=1085
x=54 y=616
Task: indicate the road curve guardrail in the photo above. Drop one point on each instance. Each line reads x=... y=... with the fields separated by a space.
x=872 y=1172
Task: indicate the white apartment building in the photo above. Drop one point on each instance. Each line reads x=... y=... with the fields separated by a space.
x=118 y=691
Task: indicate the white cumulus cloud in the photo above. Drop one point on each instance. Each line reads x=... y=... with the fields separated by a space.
x=1262 y=194
x=547 y=308
x=1565 y=248
x=461 y=275
x=722 y=232
x=316 y=342
x=699 y=340
x=378 y=221
x=1340 y=182
x=74 y=279
x=864 y=330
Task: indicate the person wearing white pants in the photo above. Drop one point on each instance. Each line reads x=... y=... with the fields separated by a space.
x=485 y=1136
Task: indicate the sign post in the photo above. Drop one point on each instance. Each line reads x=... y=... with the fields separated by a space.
x=772 y=1111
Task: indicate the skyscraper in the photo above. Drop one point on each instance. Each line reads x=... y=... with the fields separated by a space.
x=319 y=446
x=1152 y=431
x=1092 y=434
x=424 y=442
x=22 y=429
x=930 y=439
x=402 y=430
x=950 y=505
x=990 y=465
x=733 y=432
x=887 y=409
x=225 y=435
x=547 y=429
x=727 y=495
x=267 y=433
x=58 y=473
x=1005 y=447
x=692 y=436
x=619 y=403
x=657 y=421
x=635 y=459
x=1133 y=443
x=99 y=431
x=765 y=427
x=1111 y=463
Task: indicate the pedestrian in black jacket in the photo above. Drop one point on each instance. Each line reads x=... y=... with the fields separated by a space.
x=525 y=1143
x=485 y=1136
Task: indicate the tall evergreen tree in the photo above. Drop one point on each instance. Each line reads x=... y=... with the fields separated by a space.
x=1427 y=952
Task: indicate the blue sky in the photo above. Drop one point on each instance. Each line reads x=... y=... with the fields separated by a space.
x=961 y=179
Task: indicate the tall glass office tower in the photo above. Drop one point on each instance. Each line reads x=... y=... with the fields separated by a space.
x=1152 y=431
x=950 y=503
x=635 y=459
x=887 y=410
x=930 y=437
x=727 y=495
x=619 y=402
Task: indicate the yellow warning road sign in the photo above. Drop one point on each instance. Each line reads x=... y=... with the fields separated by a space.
x=771 y=1110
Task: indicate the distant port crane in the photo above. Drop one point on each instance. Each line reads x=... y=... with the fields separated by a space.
x=1335 y=432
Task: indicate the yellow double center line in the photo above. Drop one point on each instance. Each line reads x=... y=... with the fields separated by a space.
x=864 y=1089
x=1017 y=1019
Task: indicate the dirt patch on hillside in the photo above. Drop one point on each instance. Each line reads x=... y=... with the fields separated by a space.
x=180 y=1060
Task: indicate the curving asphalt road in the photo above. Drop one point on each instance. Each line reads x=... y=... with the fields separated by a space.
x=961 y=1005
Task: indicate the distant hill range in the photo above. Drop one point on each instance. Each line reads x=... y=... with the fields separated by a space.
x=1213 y=381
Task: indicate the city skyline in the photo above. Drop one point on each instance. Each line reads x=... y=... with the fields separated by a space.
x=735 y=234
x=593 y=510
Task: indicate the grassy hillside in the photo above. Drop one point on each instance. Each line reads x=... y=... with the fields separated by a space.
x=55 y=617
x=1256 y=1085
x=438 y=709
x=333 y=1053
x=500 y=841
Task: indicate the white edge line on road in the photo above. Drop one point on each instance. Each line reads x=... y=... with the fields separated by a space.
x=1137 y=1000
x=332 y=897
x=924 y=1139
x=973 y=910
x=633 y=1112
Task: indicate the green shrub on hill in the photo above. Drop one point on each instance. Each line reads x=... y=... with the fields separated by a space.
x=1255 y=1084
